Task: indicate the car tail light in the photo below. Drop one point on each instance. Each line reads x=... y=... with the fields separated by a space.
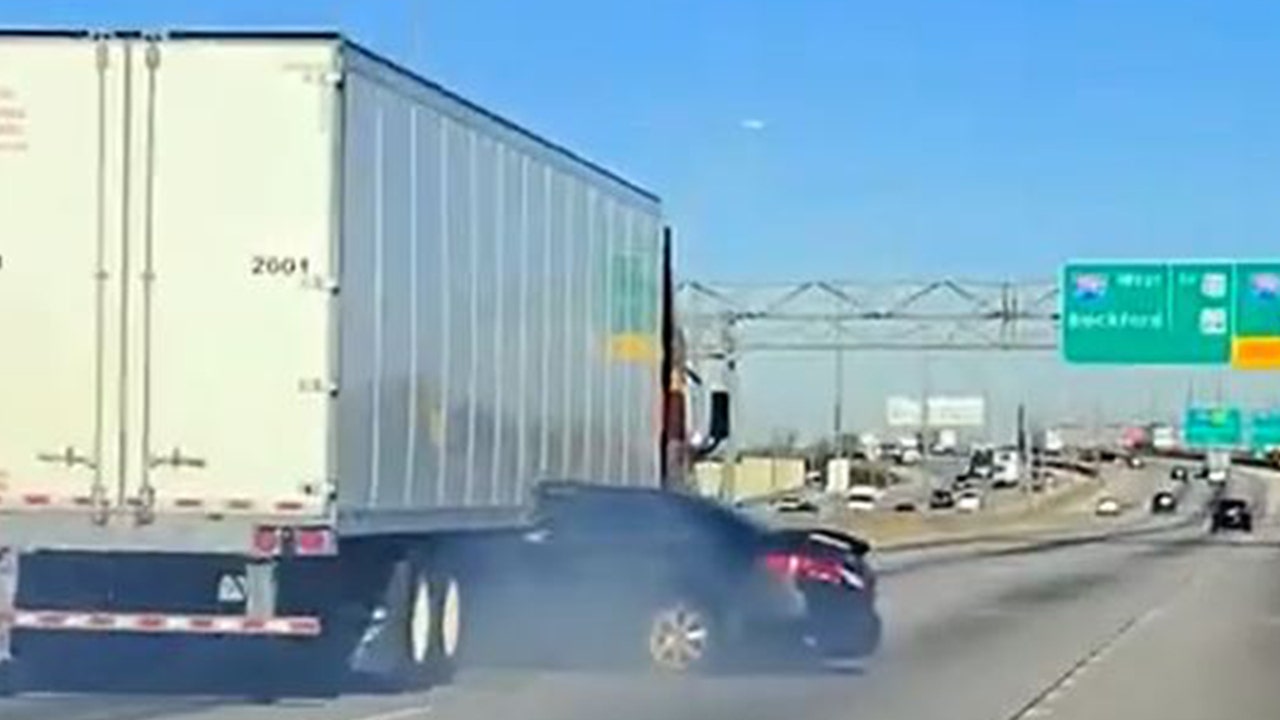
x=808 y=567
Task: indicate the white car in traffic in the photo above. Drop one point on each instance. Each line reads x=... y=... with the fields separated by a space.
x=1107 y=507
x=969 y=501
x=860 y=501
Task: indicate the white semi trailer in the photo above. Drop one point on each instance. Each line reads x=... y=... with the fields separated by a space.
x=285 y=326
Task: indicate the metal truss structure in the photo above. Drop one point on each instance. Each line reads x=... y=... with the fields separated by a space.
x=724 y=321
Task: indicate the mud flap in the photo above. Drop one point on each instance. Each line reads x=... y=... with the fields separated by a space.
x=8 y=601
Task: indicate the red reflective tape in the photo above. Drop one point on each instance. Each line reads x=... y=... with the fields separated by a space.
x=150 y=622
x=164 y=624
x=307 y=626
x=37 y=500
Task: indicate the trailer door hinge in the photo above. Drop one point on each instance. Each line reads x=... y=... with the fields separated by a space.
x=176 y=459
x=321 y=283
x=318 y=386
x=68 y=456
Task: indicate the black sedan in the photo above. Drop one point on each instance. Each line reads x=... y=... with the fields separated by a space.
x=1178 y=473
x=941 y=499
x=679 y=581
x=1163 y=503
x=1231 y=514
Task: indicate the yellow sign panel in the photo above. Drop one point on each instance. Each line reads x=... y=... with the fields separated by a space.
x=633 y=347
x=1255 y=353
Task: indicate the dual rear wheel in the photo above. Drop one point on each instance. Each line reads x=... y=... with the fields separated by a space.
x=430 y=622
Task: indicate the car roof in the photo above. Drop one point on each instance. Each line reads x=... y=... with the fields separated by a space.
x=576 y=493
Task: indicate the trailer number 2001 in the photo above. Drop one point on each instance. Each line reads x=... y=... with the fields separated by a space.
x=279 y=265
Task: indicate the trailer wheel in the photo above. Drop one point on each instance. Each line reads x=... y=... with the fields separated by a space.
x=451 y=619
x=421 y=620
x=419 y=660
x=430 y=625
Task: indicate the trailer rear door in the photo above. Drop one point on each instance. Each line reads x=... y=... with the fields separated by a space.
x=61 y=106
x=236 y=149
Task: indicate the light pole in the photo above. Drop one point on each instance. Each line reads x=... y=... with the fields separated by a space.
x=837 y=405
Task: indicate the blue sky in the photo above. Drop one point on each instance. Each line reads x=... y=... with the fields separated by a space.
x=986 y=138
x=794 y=139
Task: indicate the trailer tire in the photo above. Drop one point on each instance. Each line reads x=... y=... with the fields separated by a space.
x=451 y=622
x=431 y=625
x=418 y=664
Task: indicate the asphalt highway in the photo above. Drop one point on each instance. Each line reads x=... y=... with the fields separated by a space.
x=1133 y=617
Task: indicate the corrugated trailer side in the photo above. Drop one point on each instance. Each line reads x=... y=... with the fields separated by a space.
x=499 y=302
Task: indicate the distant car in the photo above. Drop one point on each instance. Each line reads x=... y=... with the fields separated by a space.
x=969 y=501
x=941 y=499
x=1179 y=473
x=861 y=501
x=1231 y=514
x=1217 y=476
x=1136 y=462
x=909 y=456
x=1164 y=502
x=794 y=504
x=1007 y=468
x=904 y=506
x=1107 y=507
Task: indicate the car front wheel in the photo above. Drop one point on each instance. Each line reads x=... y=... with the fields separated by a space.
x=683 y=637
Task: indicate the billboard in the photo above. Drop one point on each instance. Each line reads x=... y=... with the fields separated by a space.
x=953 y=411
x=944 y=411
x=902 y=412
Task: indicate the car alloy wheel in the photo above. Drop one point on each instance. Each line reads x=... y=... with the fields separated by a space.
x=680 y=638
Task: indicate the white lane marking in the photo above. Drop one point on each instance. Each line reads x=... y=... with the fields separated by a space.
x=401 y=714
x=1038 y=706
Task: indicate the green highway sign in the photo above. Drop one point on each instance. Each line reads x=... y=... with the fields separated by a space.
x=1212 y=427
x=1185 y=313
x=1265 y=429
x=1257 y=307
